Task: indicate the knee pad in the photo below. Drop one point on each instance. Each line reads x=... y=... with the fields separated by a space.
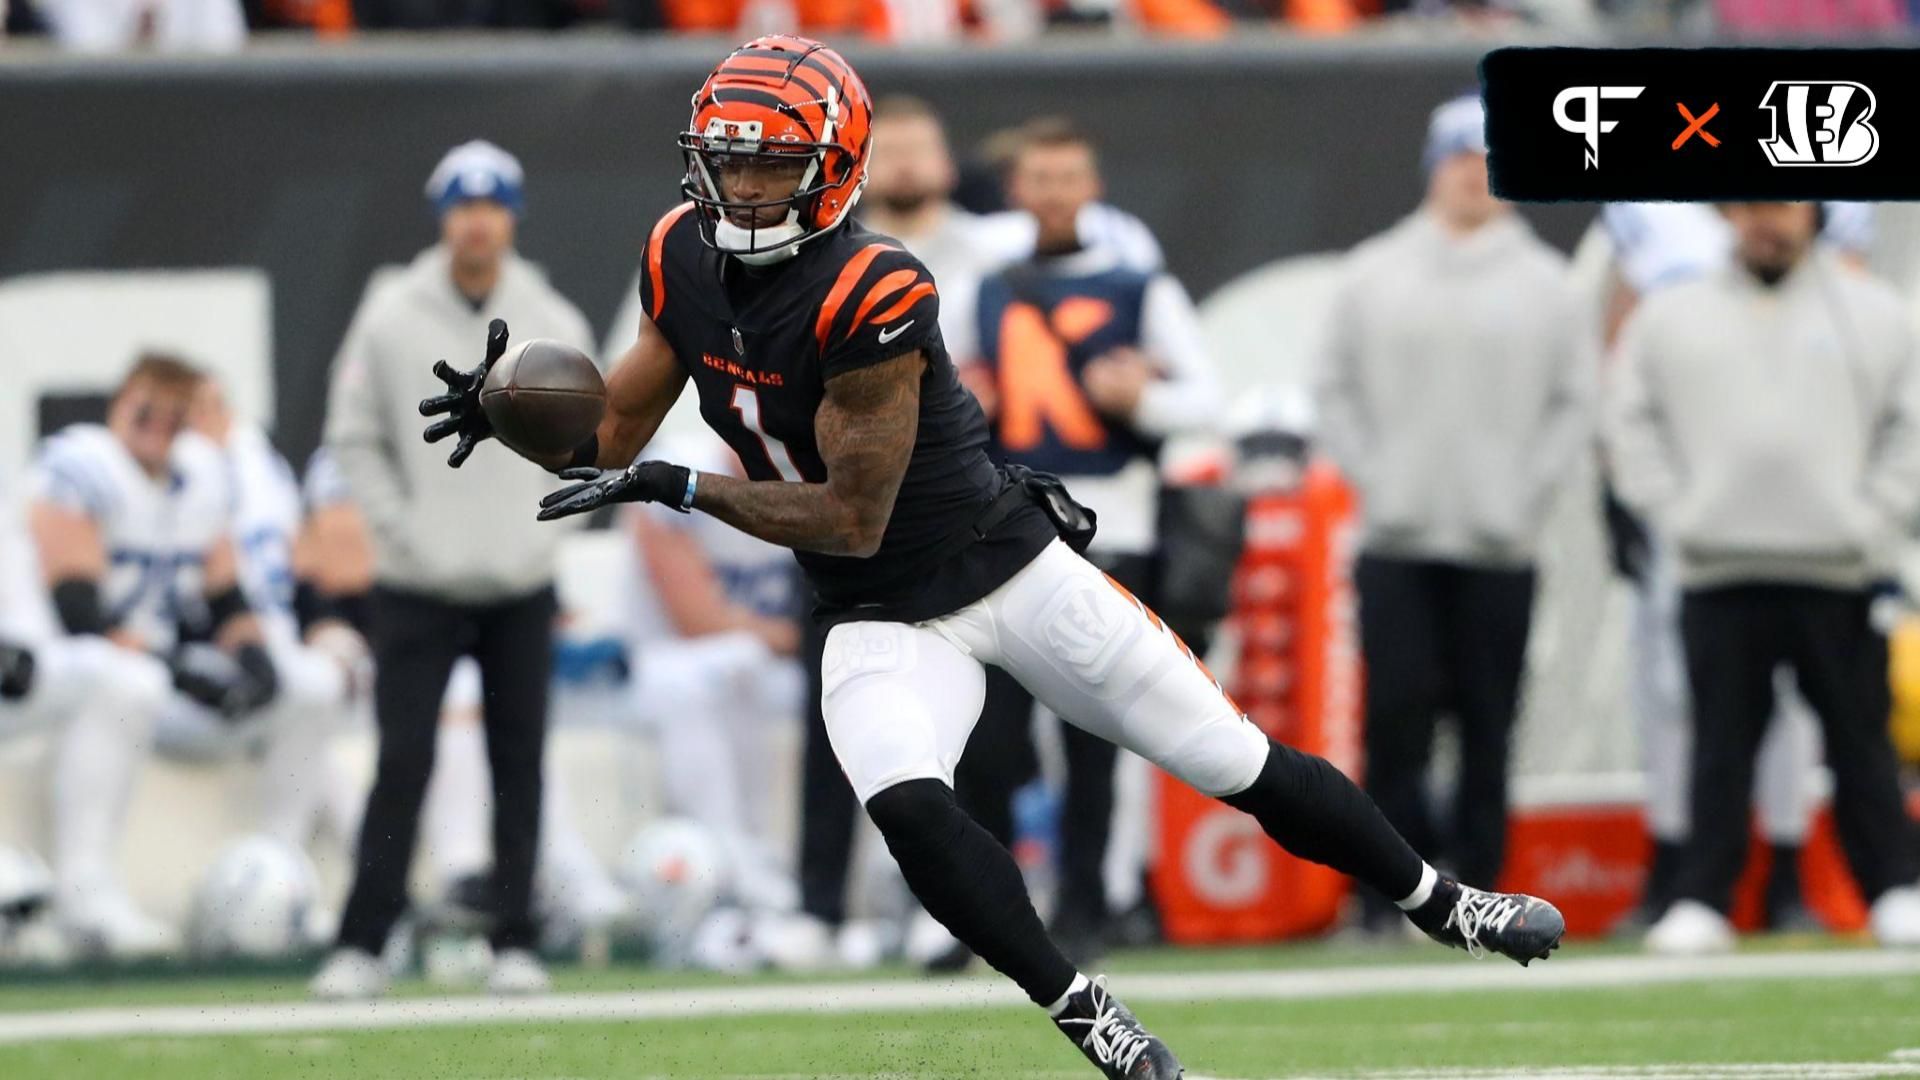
x=915 y=813
x=1222 y=758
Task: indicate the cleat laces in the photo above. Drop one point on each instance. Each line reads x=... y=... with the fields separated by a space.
x=1110 y=1039
x=1476 y=912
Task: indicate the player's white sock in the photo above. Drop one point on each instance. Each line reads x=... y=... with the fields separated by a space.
x=1079 y=983
x=459 y=799
x=1429 y=877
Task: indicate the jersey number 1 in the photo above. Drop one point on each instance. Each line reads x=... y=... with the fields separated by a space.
x=747 y=404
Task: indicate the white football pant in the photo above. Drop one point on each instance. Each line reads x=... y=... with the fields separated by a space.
x=900 y=700
x=104 y=701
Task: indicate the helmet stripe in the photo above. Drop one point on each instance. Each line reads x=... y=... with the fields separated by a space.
x=756 y=73
x=811 y=59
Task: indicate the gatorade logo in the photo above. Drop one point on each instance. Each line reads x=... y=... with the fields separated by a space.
x=1226 y=860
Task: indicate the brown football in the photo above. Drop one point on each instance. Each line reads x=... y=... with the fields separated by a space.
x=544 y=397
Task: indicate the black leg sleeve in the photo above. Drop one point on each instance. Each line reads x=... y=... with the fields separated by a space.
x=965 y=879
x=1313 y=810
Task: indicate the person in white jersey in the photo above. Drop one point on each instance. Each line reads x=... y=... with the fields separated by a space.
x=131 y=540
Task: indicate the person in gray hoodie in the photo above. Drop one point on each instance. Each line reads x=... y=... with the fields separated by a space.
x=1764 y=418
x=460 y=567
x=1455 y=393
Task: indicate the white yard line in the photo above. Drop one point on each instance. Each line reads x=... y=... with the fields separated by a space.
x=844 y=997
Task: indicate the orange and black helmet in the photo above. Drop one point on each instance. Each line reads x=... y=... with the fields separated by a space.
x=779 y=97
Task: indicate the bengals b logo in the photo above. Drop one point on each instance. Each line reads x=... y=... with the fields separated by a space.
x=1820 y=123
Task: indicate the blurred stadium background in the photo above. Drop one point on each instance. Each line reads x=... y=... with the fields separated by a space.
x=229 y=196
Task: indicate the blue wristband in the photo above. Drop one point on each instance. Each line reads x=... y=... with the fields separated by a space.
x=693 y=484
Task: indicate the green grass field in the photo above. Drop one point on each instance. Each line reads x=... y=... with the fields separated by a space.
x=1828 y=1024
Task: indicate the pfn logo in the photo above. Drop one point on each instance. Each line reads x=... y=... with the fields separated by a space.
x=1825 y=124
x=1589 y=125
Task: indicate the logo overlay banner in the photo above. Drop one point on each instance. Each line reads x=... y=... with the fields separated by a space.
x=1702 y=125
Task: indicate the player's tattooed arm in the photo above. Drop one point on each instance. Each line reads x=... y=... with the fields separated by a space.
x=865 y=429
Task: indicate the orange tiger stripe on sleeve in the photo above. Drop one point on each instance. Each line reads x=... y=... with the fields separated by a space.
x=850 y=275
x=882 y=289
x=914 y=296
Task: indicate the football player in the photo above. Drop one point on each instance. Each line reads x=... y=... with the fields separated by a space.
x=814 y=346
x=90 y=693
x=130 y=537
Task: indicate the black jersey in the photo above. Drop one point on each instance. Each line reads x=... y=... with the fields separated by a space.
x=760 y=345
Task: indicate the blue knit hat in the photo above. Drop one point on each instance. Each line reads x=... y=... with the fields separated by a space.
x=1457 y=127
x=477 y=170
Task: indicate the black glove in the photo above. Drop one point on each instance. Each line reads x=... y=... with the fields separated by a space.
x=462 y=402
x=233 y=686
x=643 y=481
x=16 y=671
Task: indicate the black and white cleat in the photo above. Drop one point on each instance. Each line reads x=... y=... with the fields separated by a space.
x=1517 y=926
x=1112 y=1038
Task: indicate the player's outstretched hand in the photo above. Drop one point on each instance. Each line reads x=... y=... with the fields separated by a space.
x=643 y=481
x=462 y=401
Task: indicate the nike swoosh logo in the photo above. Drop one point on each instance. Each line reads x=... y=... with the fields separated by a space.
x=889 y=335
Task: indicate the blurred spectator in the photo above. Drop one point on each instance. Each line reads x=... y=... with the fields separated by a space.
x=1782 y=497
x=130 y=529
x=1658 y=245
x=1009 y=235
x=1455 y=394
x=99 y=26
x=1088 y=366
x=99 y=699
x=444 y=589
